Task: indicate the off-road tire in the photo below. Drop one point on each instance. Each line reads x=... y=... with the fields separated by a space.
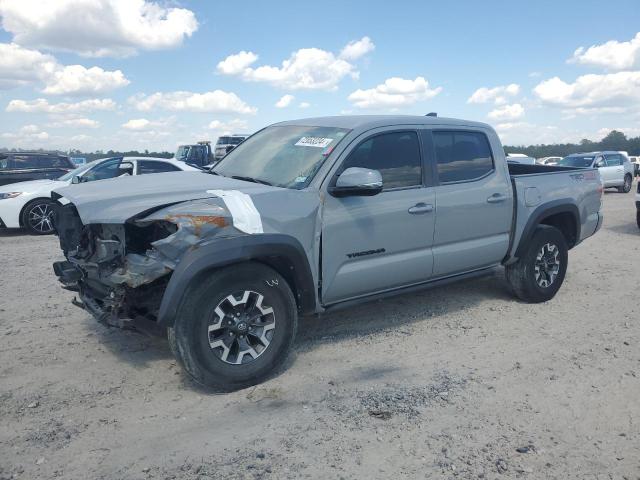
x=522 y=275
x=189 y=337
x=32 y=208
x=626 y=187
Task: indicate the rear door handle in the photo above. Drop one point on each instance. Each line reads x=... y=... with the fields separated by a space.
x=419 y=208
x=496 y=198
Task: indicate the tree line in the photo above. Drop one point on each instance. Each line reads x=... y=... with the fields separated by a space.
x=615 y=140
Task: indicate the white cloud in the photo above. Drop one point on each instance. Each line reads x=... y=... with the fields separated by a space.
x=304 y=105
x=611 y=55
x=507 y=112
x=393 y=93
x=78 y=80
x=22 y=66
x=233 y=126
x=357 y=48
x=628 y=131
x=307 y=68
x=217 y=101
x=236 y=64
x=26 y=136
x=285 y=101
x=96 y=27
x=591 y=93
x=497 y=95
x=136 y=124
x=75 y=123
x=41 y=105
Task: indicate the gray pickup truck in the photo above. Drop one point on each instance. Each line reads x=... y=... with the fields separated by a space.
x=308 y=216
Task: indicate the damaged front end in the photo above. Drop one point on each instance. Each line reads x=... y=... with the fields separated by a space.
x=120 y=271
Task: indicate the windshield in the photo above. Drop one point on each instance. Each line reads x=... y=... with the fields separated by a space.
x=286 y=156
x=577 y=161
x=78 y=171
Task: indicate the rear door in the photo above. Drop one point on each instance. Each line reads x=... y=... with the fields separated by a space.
x=613 y=172
x=382 y=242
x=21 y=168
x=474 y=202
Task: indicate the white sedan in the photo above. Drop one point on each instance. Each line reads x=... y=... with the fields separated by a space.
x=28 y=204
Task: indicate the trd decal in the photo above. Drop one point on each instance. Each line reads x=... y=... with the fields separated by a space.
x=365 y=253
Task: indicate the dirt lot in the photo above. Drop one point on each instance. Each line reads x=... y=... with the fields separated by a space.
x=462 y=381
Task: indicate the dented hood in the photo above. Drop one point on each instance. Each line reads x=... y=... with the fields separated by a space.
x=118 y=199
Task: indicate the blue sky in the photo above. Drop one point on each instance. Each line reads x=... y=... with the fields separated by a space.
x=121 y=74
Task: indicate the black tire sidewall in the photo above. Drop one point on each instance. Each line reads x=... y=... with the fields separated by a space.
x=190 y=329
x=624 y=186
x=25 y=216
x=545 y=234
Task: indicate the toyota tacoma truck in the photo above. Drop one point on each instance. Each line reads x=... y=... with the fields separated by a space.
x=309 y=216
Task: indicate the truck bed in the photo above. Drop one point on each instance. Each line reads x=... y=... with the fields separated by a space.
x=541 y=187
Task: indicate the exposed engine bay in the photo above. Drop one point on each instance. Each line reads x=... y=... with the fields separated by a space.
x=121 y=270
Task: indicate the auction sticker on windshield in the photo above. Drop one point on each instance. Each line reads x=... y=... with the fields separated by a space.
x=319 y=142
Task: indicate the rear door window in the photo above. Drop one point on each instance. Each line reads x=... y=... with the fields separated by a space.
x=20 y=162
x=613 y=160
x=151 y=166
x=462 y=156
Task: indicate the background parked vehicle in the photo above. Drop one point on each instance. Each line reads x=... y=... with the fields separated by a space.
x=24 y=166
x=549 y=160
x=198 y=154
x=615 y=168
x=228 y=274
x=636 y=165
x=29 y=205
x=226 y=143
x=520 y=158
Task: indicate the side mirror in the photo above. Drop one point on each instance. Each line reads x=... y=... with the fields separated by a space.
x=356 y=181
x=600 y=163
x=76 y=179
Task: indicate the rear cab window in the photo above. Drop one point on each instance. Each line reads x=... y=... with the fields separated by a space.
x=462 y=156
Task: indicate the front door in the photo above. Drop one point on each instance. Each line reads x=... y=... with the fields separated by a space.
x=378 y=243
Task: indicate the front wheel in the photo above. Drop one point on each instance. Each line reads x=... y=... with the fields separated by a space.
x=538 y=275
x=236 y=327
x=37 y=217
x=626 y=186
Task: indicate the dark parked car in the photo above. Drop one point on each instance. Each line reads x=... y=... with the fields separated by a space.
x=25 y=166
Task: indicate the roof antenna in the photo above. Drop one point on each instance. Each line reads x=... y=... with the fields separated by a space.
x=431 y=114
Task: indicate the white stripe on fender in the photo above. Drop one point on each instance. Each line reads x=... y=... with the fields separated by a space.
x=246 y=217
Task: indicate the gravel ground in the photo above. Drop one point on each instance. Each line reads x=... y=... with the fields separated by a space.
x=462 y=381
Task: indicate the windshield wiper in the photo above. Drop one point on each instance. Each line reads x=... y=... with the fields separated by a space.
x=251 y=179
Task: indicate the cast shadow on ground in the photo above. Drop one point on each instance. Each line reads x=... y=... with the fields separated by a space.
x=142 y=347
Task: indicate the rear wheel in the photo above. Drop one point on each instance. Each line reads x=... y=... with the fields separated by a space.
x=638 y=217
x=37 y=217
x=235 y=328
x=538 y=275
x=626 y=186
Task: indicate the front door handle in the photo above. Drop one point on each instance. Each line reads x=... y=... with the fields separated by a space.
x=496 y=198
x=421 y=207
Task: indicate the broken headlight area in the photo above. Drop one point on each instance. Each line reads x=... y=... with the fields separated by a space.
x=121 y=270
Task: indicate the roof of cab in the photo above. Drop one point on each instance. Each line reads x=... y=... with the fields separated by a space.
x=366 y=122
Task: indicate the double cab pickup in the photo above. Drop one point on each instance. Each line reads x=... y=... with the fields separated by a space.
x=311 y=215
